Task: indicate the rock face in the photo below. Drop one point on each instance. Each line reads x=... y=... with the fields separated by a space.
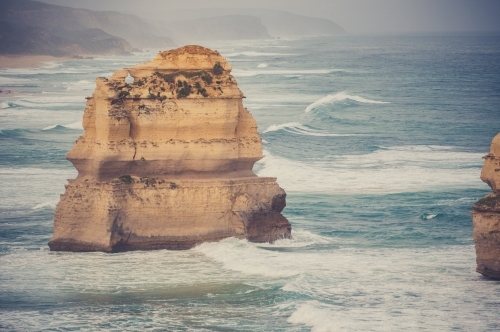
x=486 y=216
x=166 y=162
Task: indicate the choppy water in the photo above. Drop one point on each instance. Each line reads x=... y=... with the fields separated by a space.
x=378 y=143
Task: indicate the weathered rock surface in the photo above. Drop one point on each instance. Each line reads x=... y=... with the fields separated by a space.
x=166 y=162
x=486 y=216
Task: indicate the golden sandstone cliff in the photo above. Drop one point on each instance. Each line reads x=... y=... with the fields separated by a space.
x=166 y=162
x=486 y=216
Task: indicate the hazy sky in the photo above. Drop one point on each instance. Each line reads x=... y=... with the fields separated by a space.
x=355 y=16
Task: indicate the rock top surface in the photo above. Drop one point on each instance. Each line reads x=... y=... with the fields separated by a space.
x=166 y=162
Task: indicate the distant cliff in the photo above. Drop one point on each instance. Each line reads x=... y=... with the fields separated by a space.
x=230 y=27
x=24 y=39
x=33 y=23
x=277 y=22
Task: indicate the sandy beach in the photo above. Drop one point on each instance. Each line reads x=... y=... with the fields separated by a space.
x=27 y=61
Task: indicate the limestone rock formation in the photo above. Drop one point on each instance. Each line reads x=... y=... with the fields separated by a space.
x=166 y=162
x=486 y=216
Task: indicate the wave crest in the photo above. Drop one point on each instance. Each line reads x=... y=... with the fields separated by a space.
x=76 y=125
x=313 y=314
x=332 y=98
x=300 y=129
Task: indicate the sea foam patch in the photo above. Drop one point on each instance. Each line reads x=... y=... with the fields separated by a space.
x=389 y=170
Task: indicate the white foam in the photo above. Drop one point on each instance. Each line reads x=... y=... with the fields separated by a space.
x=300 y=238
x=76 y=125
x=390 y=170
x=332 y=98
x=4 y=105
x=300 y=129
x=262 y=65
x=45 y=204
x=311 y=314
x=244 y=257
x=282 y=126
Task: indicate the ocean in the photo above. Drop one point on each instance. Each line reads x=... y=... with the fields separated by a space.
x=377 y=141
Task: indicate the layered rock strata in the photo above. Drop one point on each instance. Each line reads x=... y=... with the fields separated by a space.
x=166 y=162
x=486 y=216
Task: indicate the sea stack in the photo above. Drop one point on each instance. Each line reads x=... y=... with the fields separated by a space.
x=486 y=216
x=166 y=162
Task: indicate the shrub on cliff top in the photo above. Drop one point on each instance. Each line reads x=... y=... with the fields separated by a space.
x=217 y=69
x=123 y=94
x=207 y=78
x=490 y=201
x=170 y=78
x=203 y=92
x=125 y=179
x=185 y=91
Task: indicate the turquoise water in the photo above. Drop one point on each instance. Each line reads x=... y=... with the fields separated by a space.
x=378 y=143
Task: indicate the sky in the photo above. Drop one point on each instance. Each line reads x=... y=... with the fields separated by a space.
x=355 y=16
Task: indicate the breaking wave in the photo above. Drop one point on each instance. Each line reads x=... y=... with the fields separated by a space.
x=300 y=129
x=313 y=315
x=75 y=125
x=262 y=65
x=51 y=204
x=332 y=98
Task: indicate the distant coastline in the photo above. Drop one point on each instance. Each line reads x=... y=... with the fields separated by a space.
x=28 y=60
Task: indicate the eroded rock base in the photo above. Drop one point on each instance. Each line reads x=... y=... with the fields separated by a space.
x=131 y=213
x=486 y=219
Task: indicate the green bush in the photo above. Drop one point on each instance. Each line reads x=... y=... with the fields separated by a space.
x=217 y=69
x=185 y=91
x=490 y=201
x=206 y=77
x=203 y=92
x=125 y=179
x=123 y=94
